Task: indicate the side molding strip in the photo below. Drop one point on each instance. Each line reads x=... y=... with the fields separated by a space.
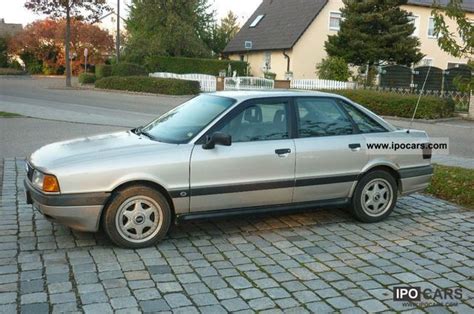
x=200 y=191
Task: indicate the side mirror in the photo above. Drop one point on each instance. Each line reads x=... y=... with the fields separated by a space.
x=217 y=138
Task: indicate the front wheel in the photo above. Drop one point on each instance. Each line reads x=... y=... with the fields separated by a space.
x=136 y=217
x=375 y=196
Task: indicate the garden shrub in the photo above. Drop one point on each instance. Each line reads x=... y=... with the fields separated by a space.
x=149 y=85
x=333 y=68
x=393 y=104
x=87 y=78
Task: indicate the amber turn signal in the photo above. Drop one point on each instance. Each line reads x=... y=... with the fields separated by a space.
x=50 y=183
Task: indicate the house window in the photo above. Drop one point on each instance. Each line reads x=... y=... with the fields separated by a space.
x=242 y=58
x=426 y=62
x=455 y=65
x=335 y=21
x=267 y=61
x=415 y=20
x=257 y=20
x=431 y=28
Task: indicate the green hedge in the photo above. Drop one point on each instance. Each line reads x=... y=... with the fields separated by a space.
x=149 y=85
x=11 y=71
x=103 y=70
x=128 y=69
x=181 y=65
x=393 y=104
x=87 y=78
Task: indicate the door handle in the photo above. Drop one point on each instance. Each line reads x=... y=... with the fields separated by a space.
x=282 y=151
x=354 y=146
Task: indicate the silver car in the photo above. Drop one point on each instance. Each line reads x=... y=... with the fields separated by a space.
x=227 y=153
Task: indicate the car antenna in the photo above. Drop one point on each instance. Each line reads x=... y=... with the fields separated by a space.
x=419 y=98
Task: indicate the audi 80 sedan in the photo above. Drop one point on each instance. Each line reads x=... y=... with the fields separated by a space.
x=226 y=153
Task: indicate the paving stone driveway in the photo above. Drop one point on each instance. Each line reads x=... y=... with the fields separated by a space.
x=319 y=261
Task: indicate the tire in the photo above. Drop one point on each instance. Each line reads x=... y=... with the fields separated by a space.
x=370 y=206
x=137 y=217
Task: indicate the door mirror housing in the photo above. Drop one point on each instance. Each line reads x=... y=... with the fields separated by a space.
x=218 y=138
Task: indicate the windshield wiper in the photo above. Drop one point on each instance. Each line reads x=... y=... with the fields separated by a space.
x=139 y=131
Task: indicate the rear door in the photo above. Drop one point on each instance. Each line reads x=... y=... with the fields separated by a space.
x=329 y=151
x=257 y=169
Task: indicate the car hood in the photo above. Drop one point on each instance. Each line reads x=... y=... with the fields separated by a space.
x=93 y=149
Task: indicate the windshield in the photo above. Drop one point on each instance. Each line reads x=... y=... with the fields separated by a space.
x=181 y=124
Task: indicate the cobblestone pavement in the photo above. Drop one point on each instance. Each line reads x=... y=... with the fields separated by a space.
x=320 y=261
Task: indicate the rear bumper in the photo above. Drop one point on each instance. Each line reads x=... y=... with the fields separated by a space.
x=415 y=179
x=78 y=211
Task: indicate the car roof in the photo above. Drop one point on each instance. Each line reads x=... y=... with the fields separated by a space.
x=251 y=94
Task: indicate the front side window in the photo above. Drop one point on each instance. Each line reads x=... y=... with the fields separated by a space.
x=183 y=123
x=364 y=123
x=321 y=117
x=259 y=122
x=335 y=21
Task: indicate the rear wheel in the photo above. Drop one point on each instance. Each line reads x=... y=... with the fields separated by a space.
x=375 y=196
x=136 y=217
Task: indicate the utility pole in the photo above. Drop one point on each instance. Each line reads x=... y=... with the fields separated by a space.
x=117 y=41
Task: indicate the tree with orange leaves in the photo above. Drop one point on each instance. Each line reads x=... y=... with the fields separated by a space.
x=43 y=41
x=84 y=10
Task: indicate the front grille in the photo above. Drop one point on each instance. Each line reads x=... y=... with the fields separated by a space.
x=29 y=171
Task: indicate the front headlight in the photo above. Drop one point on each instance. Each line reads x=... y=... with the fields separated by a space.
x=45 y=182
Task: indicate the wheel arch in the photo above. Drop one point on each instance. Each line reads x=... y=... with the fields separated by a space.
x=392 y=169
x=147 y=183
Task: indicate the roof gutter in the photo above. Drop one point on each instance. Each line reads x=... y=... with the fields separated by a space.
x=287 y=61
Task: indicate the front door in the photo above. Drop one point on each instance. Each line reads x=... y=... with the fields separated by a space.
x=257 y=169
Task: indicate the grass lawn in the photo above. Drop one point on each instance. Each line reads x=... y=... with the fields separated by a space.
x=453 y=184
x=4 y=114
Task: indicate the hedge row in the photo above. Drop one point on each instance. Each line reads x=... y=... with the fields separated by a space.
x=181 y=65
x=149 y=85
x=120 y=69
x=103 y=70
x=393 y=104
x=11 y=71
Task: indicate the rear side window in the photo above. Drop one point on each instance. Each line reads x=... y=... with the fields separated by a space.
x=321 y=117
x=364 y=123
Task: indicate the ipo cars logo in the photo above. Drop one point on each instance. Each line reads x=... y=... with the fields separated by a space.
x=406 y=294
x=416 y=294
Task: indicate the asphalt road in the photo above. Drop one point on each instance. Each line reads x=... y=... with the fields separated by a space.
x=94 y=111
x=47 y=98
x=19 y=137
x=459 y=132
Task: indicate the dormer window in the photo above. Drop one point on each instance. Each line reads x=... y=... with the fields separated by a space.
x=257 y=20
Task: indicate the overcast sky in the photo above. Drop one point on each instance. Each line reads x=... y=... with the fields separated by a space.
x=13 y=11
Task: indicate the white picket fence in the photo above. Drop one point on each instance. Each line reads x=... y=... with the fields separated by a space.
x=247 y=82
x=207 y=82
x=321 y=84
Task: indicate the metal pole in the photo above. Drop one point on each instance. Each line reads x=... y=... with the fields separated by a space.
x=117 y=44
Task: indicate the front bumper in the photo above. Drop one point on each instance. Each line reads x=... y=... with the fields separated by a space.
x=78 y=211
